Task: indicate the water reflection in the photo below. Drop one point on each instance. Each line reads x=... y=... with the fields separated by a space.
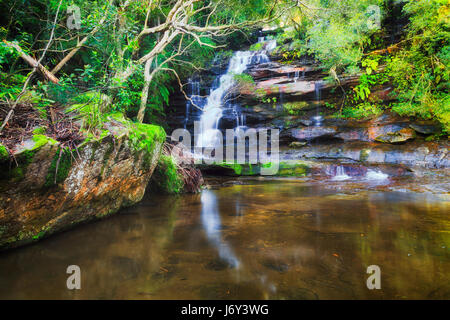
x=260 y=240
x=212 y=225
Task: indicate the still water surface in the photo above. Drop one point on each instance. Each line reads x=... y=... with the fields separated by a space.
x=259 y=240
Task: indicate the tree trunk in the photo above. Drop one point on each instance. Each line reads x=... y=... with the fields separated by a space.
x=144 y=96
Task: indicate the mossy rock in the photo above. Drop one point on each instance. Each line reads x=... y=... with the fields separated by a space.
x=296 y=107
x=59 y=168
x=40 y=130
x=24 y=157
x=166 y=178
x=291 y=168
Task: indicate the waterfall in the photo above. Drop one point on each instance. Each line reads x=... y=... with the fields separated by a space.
x=318 y=118
x=376 y=175
x=296 y=75
x=280 y=98
x=340 y=174
x=218 y=98
x=194 y=94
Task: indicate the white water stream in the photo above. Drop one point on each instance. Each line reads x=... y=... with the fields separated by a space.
x=219 y=97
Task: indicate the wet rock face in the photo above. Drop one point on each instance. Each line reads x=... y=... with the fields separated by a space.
x=399 y=136
x=97 y=180
x=414 y=154
x=311 y=133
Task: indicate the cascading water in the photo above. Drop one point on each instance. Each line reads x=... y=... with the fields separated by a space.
x=318 y=118
x=340 y=174
x=296 y=75
x=219 y=97
x=376 y=175
x=194 y=94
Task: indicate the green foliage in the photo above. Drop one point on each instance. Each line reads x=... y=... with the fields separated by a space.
x=60 y=93
x=244 y=79
x=294 y=108
x=4 y=155
x=294 y=51
x=420 y=71
x=362 y=110
x=269 y=100
x=360 y=104
x=89 y=107
x=338 y=38
x=256 y=47
x=10 y=86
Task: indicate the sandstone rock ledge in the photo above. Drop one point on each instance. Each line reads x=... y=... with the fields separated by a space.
x=51 y=189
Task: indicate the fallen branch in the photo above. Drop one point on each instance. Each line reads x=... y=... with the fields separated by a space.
x=33 y=62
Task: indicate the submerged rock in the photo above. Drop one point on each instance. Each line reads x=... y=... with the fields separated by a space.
x=54 y=188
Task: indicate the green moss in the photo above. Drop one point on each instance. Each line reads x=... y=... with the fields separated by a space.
x=293 y=169
x=65 y=163
x=4 y=155
x=24 y=158
x=287 y=168
x=39 y=130
x=38 y=236
x=41 y=140
x=256 y=47
x=166 y=178
x=295 y=108
x=237 y=168
x=144 y=137
x=16 y=174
